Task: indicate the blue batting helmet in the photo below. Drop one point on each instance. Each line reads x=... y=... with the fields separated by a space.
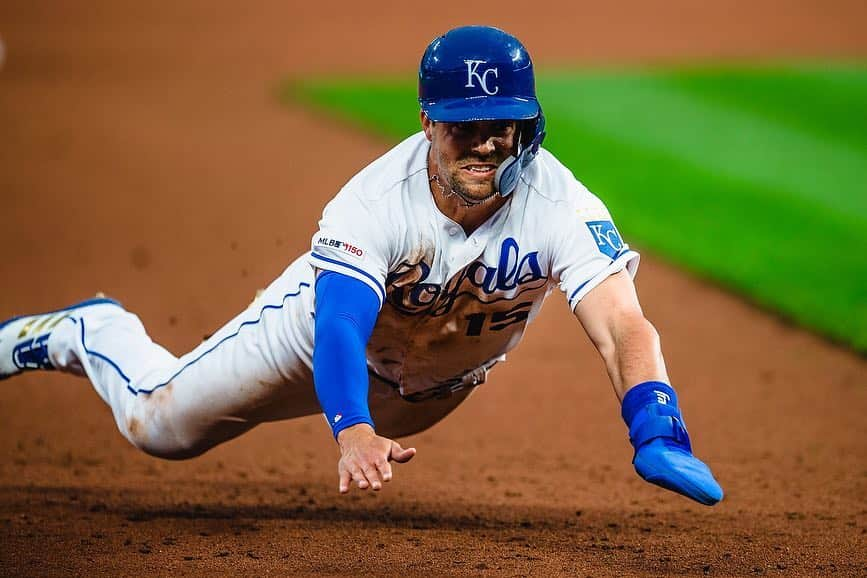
x=476 y=73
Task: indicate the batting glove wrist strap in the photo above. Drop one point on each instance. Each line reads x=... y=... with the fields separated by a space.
x=650 y=411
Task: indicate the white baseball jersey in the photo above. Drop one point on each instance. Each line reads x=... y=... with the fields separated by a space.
x=450 y=303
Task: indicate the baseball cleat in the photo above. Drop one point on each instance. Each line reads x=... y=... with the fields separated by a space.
x=24 y=339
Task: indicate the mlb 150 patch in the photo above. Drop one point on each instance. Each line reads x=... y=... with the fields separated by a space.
x=607 y=238
x=347 y=248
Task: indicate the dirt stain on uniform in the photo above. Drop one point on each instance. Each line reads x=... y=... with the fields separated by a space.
x=134 y=427
x=162 y=395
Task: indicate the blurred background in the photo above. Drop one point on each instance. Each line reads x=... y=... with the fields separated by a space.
x=177 y=156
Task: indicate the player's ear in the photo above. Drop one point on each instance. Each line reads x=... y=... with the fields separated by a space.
x=426 y=125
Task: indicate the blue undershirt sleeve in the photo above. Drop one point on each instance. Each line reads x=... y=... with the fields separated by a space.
x=346 y=311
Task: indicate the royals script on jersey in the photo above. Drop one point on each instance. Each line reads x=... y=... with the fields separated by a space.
x=452 y=303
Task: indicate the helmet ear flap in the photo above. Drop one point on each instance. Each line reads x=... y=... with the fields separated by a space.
x=510 y=170
x=527 y=130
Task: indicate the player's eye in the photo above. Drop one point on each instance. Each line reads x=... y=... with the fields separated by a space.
x=462 y=128
x=502 y=127
x=494 y=127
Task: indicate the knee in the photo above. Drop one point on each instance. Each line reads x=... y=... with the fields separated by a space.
x=159 y=442
x=156 y=425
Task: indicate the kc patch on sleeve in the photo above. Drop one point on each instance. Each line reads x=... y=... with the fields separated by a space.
x=607 y=238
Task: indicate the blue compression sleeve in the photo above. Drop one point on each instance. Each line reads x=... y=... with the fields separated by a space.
x=346 y=311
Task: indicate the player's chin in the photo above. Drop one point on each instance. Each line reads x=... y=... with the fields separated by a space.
x=479 y=189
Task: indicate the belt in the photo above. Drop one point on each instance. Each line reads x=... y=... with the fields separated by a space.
x=444 y=389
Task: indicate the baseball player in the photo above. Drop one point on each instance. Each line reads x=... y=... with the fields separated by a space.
x=424 y=273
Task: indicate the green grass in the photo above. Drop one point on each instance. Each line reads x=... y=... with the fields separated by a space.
x=755 y=177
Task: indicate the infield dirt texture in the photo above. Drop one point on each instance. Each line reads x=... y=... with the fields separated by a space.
x=143 y=153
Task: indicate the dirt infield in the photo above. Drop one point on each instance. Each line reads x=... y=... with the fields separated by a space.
x=144 y=155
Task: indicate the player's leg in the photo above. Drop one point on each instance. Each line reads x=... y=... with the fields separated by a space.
x=254 y=369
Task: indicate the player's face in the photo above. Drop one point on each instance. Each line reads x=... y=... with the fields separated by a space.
x=465 y=155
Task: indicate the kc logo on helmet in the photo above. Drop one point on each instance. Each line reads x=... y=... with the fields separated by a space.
x=473 y=74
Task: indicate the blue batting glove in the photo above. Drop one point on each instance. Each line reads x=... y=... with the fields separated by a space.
x=663 y=454
x=677 y=470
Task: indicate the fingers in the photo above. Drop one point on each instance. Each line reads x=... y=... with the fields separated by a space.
x=365 y=474
x=345 y=480
x=351 y=474
x=399 y=454
x=367 y=466
x=372 y=475
x=384 y=470
x=376 y=473
x=360 y=479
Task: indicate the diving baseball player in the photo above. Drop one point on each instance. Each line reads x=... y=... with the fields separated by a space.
x=424 y=273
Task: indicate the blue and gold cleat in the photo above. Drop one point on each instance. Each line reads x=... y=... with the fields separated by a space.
x=24 y=339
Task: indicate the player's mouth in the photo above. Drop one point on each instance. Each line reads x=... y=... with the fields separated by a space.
x=480 y=170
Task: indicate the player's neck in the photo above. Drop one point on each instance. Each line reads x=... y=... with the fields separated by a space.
x=469 y=217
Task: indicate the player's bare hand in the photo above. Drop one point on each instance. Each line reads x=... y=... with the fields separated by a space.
x=365 y=457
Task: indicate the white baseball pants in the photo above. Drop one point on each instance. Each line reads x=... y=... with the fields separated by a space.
x=257 y=368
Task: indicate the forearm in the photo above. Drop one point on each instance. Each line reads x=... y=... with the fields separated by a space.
x=340 y=373
x=346 y=311
x=632 y=353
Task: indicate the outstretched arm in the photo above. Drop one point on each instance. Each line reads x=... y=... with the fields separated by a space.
x=346 y=311
x=629 y=344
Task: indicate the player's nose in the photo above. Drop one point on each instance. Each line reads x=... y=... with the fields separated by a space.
x=484 y=144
